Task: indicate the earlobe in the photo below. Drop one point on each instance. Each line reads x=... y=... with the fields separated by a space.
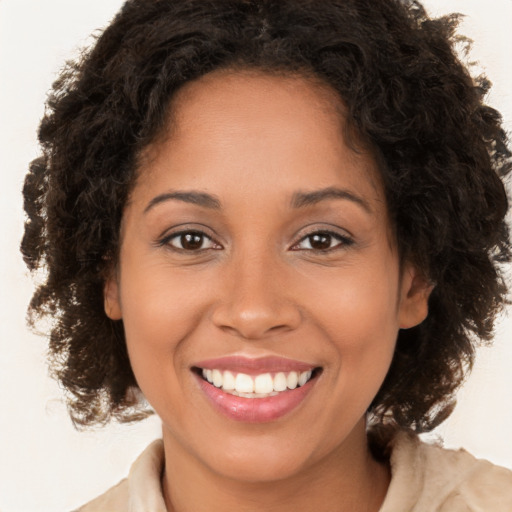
x=416 y=290
x=112 y=303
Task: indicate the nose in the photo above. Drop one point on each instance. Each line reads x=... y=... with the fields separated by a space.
x=254 y=303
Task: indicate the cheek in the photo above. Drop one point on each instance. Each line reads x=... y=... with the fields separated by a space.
x=158 y=315
x=363 y=342
x=358 y=305
x=358 y=313
x=158 y=319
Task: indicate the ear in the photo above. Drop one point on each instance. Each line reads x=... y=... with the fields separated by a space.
x=414 y=294
x=112 y=304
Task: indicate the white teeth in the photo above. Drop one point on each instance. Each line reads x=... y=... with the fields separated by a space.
x=244 y=383
x=304 y=377
x=263 y=384
x=229 y=381
x=260 y=386
x=292 y=380
x=253 y=395
x=217 y=378
x=280 y=383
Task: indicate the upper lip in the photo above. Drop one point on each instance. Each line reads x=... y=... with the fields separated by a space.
x=254 y=365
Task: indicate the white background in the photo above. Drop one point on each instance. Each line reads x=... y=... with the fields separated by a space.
x=44 y=463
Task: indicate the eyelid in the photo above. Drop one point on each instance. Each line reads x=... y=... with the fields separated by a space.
x=345 y=238
x=182 y=229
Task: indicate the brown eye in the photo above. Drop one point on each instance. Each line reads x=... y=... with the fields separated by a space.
x=190 y=241
x=322 y=241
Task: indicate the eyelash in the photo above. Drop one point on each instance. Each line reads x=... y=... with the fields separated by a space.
x=166 y=241
x=343 y=241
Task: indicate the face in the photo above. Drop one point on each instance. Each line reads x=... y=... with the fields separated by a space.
x=258 y=280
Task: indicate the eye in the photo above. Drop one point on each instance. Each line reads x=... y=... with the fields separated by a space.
x=322 y=241
x=193 y=241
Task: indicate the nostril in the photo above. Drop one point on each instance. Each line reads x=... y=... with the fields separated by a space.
x=256 y=322
x=278 y=327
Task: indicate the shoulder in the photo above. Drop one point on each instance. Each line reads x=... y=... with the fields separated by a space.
x=429 y=478
x=140 y=492
x=116 y=499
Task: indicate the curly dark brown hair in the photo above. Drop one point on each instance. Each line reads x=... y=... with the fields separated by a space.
x=442 y=155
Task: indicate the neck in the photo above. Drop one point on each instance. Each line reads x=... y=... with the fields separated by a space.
x=347 y=479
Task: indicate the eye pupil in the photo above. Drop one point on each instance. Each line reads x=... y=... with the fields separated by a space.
x=191 y=241
x=320 y=241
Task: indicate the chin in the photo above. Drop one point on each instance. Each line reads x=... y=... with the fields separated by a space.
x=260 y=462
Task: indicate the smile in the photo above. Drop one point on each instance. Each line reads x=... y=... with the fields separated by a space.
x=258 y=386
x=255 y=390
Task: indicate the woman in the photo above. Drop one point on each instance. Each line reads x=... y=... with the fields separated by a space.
x=283 y=222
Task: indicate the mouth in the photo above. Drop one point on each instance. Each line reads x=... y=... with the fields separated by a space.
x=257 y=386
x=255 y=390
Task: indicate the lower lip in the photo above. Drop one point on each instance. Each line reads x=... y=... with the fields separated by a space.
x=255 y=410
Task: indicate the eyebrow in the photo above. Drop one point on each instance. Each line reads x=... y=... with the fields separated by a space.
x=304 y=199
x=192 y=197
x=299 y=199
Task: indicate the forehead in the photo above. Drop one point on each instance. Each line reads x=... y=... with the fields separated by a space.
x=245 y=89
x=290 y=128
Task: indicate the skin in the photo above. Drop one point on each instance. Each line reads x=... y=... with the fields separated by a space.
x=255 y=287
